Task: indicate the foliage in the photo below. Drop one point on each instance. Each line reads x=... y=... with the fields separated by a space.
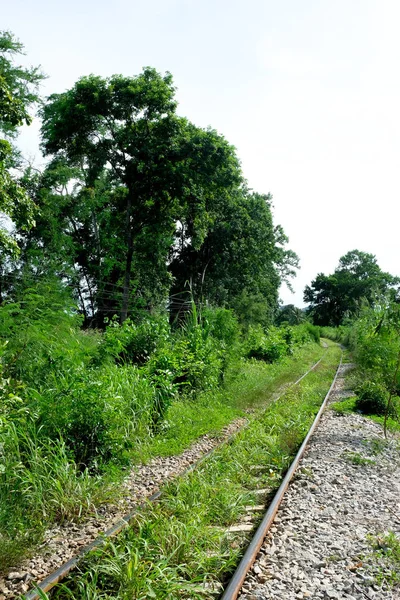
x=291 y=315
x=135 y=342
x=374 y=339
x=269 y=347
x=137 y=167
x=357 y=280
x=41 y=325
x=371 y=398
x=273 y=344
x=242 y=259
x=18 y=92
x=338 y=334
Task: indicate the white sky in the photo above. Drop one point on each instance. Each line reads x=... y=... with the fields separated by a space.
x=307 y=90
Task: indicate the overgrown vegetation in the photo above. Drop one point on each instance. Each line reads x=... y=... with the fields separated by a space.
x=139 y=281
x=79 y=405
x=358 y=306
x=180 y=547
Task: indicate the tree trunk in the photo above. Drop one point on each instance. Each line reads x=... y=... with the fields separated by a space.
x=129 y=257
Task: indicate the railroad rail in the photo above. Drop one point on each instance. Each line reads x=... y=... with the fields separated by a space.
x=62 y=572
x=233 y=589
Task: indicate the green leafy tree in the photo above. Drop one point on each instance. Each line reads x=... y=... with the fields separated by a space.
x=241 y=260
x=357 y=279
x=290 y=315
x=18 y=92
x=140 y=166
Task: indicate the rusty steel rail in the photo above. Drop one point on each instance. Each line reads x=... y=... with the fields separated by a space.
x=59 y=574
x=232 y=590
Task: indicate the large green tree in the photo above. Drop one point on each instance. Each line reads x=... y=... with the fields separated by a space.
x=242 y=258
x=357 y=279
x=18 y=92
x=135 y=167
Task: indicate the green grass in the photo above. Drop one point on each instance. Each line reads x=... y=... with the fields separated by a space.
x=387 y=552
x=179 y=547
x=344 y=406
x=349 y=406
x=357 y=459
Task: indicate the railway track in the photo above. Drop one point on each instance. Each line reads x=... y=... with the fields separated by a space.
x=62 y=572
x=335 y=533
x=235 y=585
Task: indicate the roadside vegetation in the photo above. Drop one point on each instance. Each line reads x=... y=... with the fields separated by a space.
x=387 y=552
x=374 y=341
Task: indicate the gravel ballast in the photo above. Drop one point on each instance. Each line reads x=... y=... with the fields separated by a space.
x=345 y=496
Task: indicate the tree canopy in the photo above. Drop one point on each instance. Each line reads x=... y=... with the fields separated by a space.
x=357 y=279
x=18 y=92
x=138 y=203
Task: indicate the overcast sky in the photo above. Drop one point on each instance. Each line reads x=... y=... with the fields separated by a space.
x=307 y=90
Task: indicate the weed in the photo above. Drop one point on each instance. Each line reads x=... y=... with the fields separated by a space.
x=357 y=459
x=344 y=406
x=387 y=551
x=375 y=445
x=306 y=472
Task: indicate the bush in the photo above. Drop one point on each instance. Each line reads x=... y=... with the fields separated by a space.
x=135 y=342
x=275 y=343
x=223 y=325
x=192 y=357
x=95 y=411
x=42 y=334
x=371 y=398
x=270 y=346
x=339 y=334
x=313 y=331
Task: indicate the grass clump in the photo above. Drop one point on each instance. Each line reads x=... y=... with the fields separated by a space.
x=371 y=398
x=358 y=459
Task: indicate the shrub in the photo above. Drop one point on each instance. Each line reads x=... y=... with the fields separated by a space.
x=135 y=342
x=371 y=398
x=223 y=325
x=42 y=334
x=313 y=331
x=270 y=346
x=94 y=410
x=192 y=358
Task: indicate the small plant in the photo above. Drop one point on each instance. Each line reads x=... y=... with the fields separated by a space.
x=345 y=406
x=387 y=550
x=358 y=459
x=270 y=346
x=376 y=445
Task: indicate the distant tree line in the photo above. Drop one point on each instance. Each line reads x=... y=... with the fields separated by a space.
x=136 y=206
x=357 y=281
